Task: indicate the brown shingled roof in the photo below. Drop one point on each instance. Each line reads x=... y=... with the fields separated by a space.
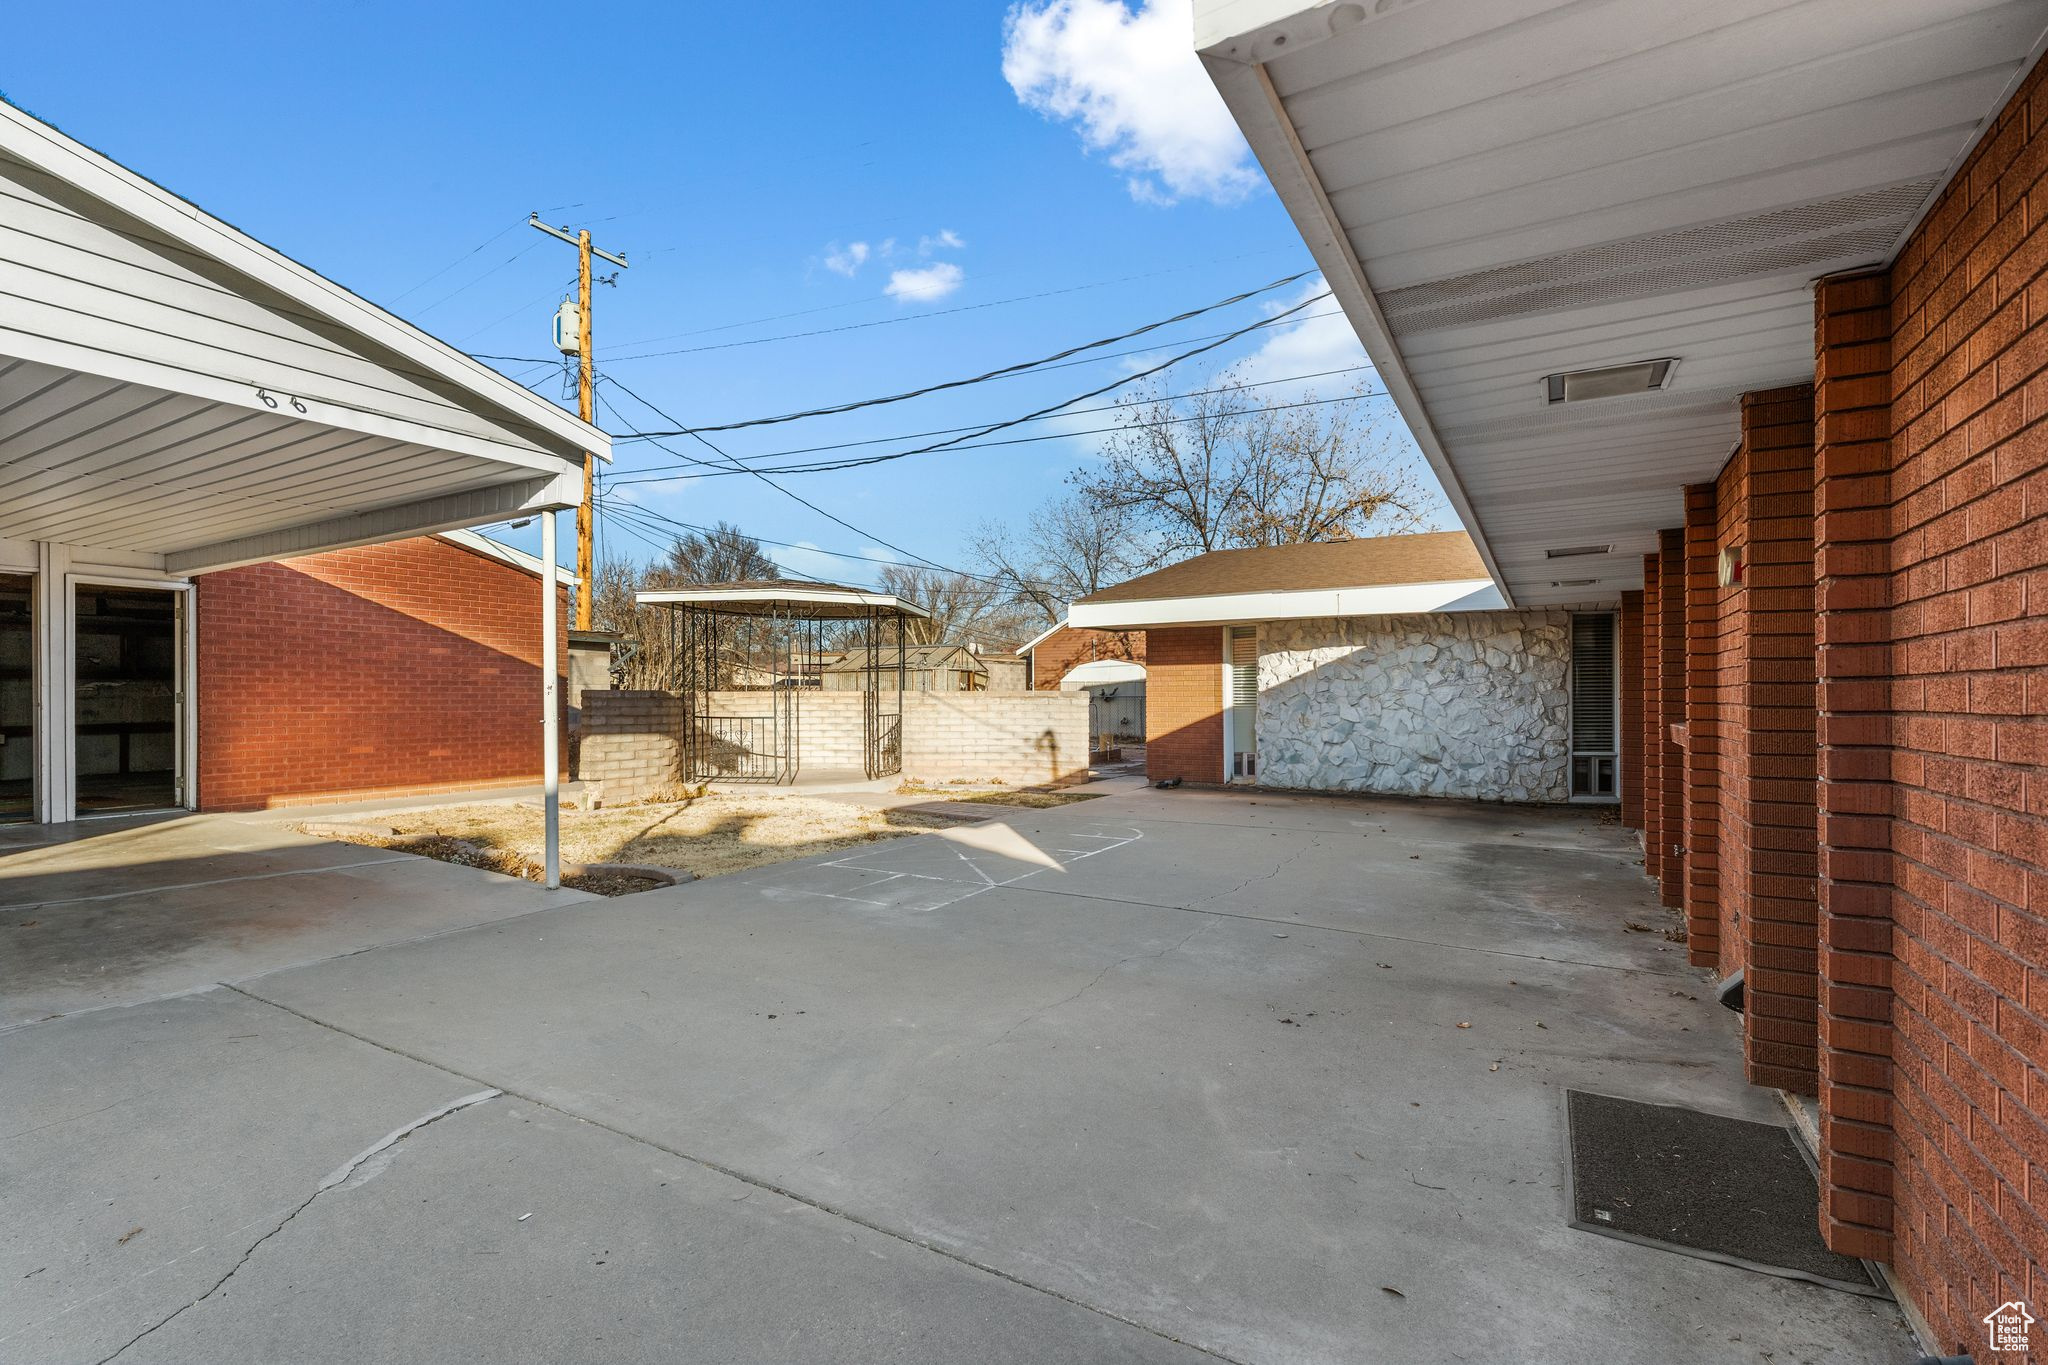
x=1430 y=557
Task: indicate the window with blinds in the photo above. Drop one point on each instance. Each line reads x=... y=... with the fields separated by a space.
x=1241 y=701
x=1595 y=705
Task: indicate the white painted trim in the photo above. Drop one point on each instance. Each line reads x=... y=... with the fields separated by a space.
x=29 y=139
x=447 y=512
x=1262 y=116
x=1042 y=636
x=506 y=554
x=1223 y=691
x=550 y=713
x=1392 y=599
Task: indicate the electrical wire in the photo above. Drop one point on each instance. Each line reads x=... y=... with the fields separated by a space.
x=996 y=426
x=1077 y=412
x=715 y=470
x=983 y=378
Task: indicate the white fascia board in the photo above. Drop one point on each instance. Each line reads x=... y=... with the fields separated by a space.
x=447 y=512
x=28 y=139
x=150 y=374
x=1042 y=636
x=1393 y=599
x=1262 y=117
x=505 y=554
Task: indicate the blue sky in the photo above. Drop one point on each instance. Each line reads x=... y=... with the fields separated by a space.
x=858 y=167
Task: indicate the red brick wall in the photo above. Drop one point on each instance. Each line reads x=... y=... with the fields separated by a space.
x=1958 y=506
x=1671 y=684
x=1705 y=673
x=1768 y=840
x=407 y=667
x=1068 y=646
x=1852 y=590
x=1184 y=704
x=1632 y=710
x=1653 y=718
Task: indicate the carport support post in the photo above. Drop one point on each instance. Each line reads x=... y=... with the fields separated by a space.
x=550 y=711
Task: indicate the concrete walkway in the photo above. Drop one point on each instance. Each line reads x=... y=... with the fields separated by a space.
x=1166 y=1076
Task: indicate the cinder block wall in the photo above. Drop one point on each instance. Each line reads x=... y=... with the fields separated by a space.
x=405 y=668
x=1016 y=737
x=632 y=740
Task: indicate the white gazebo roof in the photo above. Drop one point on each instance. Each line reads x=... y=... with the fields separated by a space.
x=785 y=597
x=177 y=396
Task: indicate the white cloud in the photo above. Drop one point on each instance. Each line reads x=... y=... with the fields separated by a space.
x=945 y=239
x=924 y=284
x=846 y=260
x=1132 y=87
x=1313 y=341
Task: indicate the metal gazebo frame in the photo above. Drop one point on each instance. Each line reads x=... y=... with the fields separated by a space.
x=730 y=637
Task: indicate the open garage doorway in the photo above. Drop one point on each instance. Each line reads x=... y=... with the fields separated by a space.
x=126 y=733
x=17 y=698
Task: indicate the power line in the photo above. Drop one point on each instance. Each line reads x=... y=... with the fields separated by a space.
x=1077 y=412
x=1014 y=421
x=456 y=262
x=788 y=493
x=465 y=288
x=827 y=467
x=837 y=408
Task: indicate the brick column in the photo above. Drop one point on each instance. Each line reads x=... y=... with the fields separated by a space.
x=1184 y=704
x=1671 y=682
x=1701 y=827
x=1774 y=795
x=1653 y=719
x=1852 y=565
x=1632 y=710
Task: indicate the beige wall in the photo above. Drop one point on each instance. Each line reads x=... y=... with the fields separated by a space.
x=631 y=740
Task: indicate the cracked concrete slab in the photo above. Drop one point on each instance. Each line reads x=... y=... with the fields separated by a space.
x=1276 y=1078
x=1239 y=1118
x=143 y=910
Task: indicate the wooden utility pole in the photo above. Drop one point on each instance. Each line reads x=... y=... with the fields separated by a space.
x=585 y=408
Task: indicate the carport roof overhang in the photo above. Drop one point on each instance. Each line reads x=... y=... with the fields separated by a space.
x=1506 y=191
x=176 y=395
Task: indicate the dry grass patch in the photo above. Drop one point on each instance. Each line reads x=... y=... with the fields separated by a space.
x=1031 y=798
x=706 y=835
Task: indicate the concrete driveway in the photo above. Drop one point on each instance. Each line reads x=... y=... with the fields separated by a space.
x=1168 y=1076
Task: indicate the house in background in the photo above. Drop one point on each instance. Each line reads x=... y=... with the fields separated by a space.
x=400 y=669
x=926 y=668
x=1054 y=651
x=1380 y=665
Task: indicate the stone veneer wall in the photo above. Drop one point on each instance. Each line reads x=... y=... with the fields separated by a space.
x=1468 y=704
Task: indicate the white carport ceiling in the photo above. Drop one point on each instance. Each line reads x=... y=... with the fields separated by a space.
x=173 y=390
x=1500 y=190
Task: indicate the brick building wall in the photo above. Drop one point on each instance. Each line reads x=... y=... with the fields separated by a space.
x=1631 y=685
x=1058 y=652
x=408 y=667
x=1875 y=797
x=1184 y=704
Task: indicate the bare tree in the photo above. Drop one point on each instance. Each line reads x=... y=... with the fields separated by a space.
x=722 y=554
x=1220 y=470
x=962 y=608
x=1068 y=547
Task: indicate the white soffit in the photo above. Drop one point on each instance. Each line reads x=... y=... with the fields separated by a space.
x=1388 y=599
x=1502 y=191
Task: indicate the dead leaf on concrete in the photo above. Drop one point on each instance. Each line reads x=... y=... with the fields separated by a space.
x=124 y=1238
x=1389 y=1289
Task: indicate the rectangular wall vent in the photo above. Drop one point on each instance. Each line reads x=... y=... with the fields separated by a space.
x=1573 y=551
x=1610 y=381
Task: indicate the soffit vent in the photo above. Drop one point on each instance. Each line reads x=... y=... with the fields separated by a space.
x=1574 y=551
x=1851 y=229
x=1609 y=381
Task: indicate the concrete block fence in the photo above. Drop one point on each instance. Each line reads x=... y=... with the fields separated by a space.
x=632 y=741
